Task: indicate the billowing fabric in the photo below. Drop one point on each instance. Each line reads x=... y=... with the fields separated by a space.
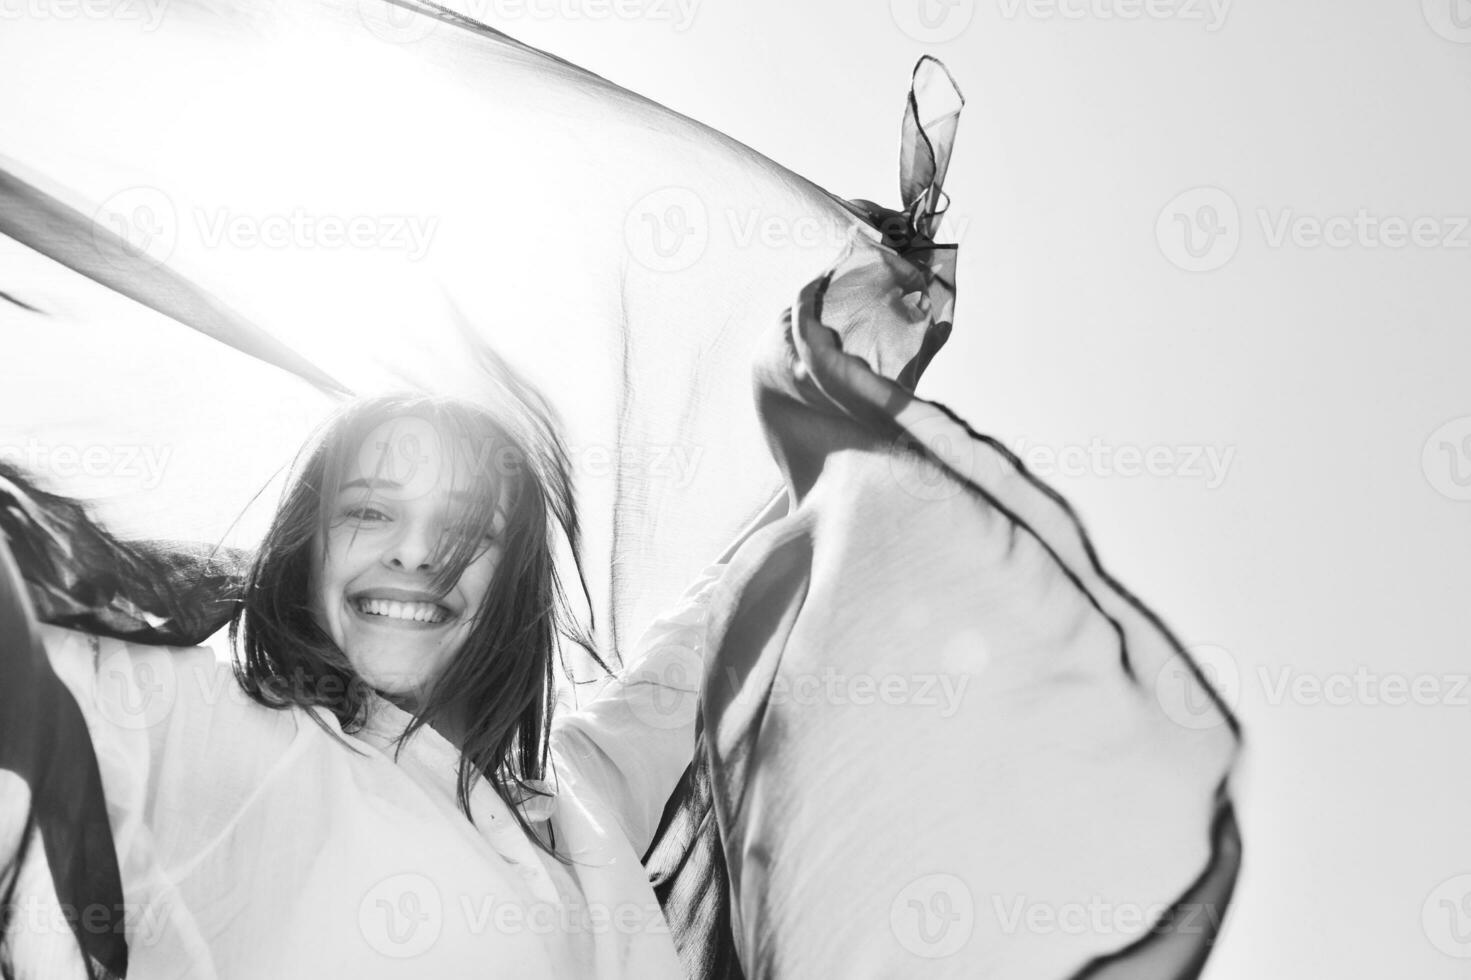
x=927 y=714
x=609 y=249
x=942 y=740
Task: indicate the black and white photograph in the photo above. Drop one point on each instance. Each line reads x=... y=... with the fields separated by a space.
x=735 y=489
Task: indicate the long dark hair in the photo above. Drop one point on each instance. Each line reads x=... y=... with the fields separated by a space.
x=499 y=688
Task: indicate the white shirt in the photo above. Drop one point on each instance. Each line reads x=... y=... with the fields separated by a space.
x=253 y=843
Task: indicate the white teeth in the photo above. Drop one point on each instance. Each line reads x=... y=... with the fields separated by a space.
x=419 y=612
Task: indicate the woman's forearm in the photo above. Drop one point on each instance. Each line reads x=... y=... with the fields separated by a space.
x=775 y=510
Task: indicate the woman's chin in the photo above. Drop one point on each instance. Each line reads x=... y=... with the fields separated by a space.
x=395 y=683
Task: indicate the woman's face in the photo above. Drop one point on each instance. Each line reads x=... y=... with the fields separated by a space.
x=401 y=493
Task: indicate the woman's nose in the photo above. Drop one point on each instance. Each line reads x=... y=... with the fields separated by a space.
x=414 y=548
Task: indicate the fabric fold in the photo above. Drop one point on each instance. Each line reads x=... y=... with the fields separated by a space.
x=987 y=739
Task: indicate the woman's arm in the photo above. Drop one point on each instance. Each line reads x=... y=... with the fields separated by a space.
x=776 y=509
x=631 y=743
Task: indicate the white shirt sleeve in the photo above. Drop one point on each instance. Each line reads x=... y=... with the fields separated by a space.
x=630 y=744
x=175 y=711
x=180 y=748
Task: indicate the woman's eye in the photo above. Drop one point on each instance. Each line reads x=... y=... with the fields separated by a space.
x=366 y=514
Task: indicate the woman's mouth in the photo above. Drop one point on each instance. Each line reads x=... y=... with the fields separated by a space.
x=392 y=611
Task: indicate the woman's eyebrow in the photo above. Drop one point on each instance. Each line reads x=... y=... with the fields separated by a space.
x=377 y=483
x=372 y=484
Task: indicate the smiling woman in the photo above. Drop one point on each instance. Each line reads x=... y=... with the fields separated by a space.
x=412 y=559
x=383 y=781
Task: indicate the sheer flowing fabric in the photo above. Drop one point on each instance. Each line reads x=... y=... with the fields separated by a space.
x=929 y=719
